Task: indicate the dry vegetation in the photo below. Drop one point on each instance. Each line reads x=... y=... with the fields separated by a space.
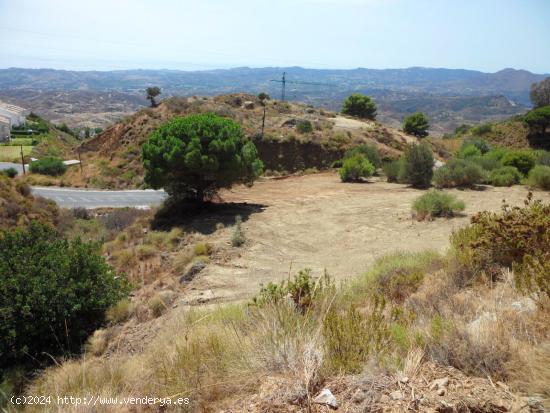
x=112 y=159
x=426 y=331
x=18 y=207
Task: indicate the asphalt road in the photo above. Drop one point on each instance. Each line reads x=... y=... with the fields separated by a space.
x=8 y=165
x=73 y=198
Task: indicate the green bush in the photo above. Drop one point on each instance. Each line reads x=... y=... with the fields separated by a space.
x=368 y=151
x=417 y=166
x=486 y=162
x=497 y=153
x=360 y=106
x=524 y=161
x=48 y=166
x=304 y=126
x=543 y=158
x=504 y=176
x=355 y=168
x=480 y=144
x=53 y=294
x=469 y=152
x=391 y=170
x=192 y=157
x=539 y=177
x=303 y=289
x=238 y=238
x=481 y=129
x=416 y=124
x=436 y=204
x=458 y=173
x=10 y=172
x=496 y=240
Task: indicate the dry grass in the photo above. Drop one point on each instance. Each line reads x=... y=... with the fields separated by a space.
x=212 y=354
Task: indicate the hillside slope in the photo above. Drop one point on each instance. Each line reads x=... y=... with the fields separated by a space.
x=112 y=159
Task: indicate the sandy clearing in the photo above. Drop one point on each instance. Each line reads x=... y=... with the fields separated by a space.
x=317 y=222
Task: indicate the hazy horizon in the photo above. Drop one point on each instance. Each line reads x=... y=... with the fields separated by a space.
x=487 y=35
x=268 y=67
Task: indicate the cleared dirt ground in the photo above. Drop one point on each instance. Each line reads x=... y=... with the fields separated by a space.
x=317 y=222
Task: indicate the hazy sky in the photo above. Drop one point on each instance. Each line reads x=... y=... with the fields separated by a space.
x=487 y=35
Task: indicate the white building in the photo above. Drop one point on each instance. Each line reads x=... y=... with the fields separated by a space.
x=15 y=114
x=5 y=128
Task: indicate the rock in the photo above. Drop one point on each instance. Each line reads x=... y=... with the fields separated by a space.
x=248 y=104
x=397 y=395
x=327 y=398
x=441 y=392
x=438 y=164
x=192 y=272
x=404 y=379
x=525 y=305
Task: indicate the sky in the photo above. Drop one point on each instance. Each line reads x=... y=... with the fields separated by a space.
x=486 y=35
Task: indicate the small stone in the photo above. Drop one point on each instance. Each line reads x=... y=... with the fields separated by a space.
x=404 y=379
x=327 y=398
x=441 y=392
x=193 y=271
x=397 y=395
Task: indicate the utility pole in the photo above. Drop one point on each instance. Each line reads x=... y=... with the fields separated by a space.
x=22 y=160
x=283 y=83
x=79 y=161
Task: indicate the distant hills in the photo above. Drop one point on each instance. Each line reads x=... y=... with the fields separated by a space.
x=449 y=96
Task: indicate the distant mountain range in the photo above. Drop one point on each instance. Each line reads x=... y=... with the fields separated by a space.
x=449 y=96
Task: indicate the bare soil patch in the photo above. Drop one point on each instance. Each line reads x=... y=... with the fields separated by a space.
x=317 y=222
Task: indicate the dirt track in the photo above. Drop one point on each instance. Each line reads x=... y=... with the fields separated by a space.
x=315 y=221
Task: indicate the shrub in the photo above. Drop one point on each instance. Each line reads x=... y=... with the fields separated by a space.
x=81 y=213
x=202 y=248
x=391 y=170
x=192 y=157
x=360 y=106
x=436 y=204
x=238 y=238
x=23 y=188
x=486 y=162
x=539 y=177
x=355 y=168
x=504 y=176
x=160 y=302
x=303 y=290
x=480 y=144
x=304 y=126
x=496 y=240
x=497 y=153
x=416 y=124
x=10 y=172
x=524 y=161
x=51 y=288
x=481 y=129
x=469 y=152
x=368 y=151
x=417 y=166
x=543 y=158
x=120 y=312
x=458 y=173
x=48 y=166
